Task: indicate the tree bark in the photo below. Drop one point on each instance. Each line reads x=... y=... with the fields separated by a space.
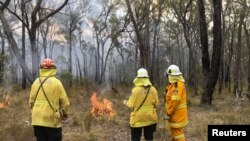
x=14 y=47
x=155 y=56
x=35 y=23
x=230 y=57
x=2 y=58
x=204 y=38
x=23 y=46
x=213 y=72
x=238 y=55
x=248 y=62
x=143 y=49
x=70 y=56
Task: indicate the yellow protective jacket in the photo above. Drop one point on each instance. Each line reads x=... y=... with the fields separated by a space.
x=175 y=105
x=147 y=114
x=42 y=113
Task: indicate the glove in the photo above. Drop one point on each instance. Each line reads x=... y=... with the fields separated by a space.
x=125 y=102
x=166 y=117
x=64 y=118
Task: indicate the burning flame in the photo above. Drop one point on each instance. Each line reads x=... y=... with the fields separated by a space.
x=101 y=108
x=6 y=102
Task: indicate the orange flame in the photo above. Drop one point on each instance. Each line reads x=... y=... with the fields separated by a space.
x=101 y=108
x=6 y=102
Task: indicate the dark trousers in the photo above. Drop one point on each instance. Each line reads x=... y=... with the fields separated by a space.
x=147 y=131
x=47 y=133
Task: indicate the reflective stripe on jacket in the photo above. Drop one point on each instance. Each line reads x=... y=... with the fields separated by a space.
x=147 y=114
x=175 y=105
x=42 y=112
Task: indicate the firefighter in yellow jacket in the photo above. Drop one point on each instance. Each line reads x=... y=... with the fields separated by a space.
x=176 y=115
x=143 y=103
x=49 y=104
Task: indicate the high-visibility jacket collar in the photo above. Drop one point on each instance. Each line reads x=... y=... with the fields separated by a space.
x=47 y=72
x=142 y=82
x=175 y=78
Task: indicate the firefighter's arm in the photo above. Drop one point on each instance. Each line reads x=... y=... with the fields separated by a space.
x=173 y=102
x=156 y=99
x=64 y=101
x=171 y=106
x=32 y=97
x=131 y=101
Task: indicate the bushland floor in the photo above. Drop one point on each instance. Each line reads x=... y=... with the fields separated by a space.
x=81 y=126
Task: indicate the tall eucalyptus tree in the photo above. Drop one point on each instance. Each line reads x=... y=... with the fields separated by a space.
x=32 y=21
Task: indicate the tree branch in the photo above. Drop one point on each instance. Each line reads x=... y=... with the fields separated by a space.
x=5 y=4
x=34 y=13
x=52 y=13
x=15 y=14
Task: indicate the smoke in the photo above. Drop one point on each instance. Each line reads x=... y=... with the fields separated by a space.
x=106 y=88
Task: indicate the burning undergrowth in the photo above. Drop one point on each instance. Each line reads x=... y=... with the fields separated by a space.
x=102 y=107
x=6 y=102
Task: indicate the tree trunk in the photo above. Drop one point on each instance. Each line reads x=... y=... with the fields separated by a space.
x=85 y=67
x=79 y=68
x=23 y=46
x=14 y=47
x=70 y=57
x=2 y=59
x=204 y=38
x=90 y=62
x=221 y=74
x=213 y=72
x=44 y=35
x=97 y=58
x=34 y=54
x=248 y=47
x=143 y=49
x=229 y=59
x=147 y=35
x=102 y=73
x=155 y=44
x=238 y=55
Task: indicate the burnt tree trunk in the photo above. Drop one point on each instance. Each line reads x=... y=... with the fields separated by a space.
x=210 y=74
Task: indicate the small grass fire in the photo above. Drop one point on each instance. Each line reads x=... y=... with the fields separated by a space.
x=101 y=108
x=5 y=103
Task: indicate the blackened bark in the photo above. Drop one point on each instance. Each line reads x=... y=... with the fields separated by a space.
x=203 y=38
x=213 y=72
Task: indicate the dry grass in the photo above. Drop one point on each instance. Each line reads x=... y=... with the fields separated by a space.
x=83 y=127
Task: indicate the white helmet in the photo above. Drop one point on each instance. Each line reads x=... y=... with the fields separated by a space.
x=173 y=70
x=142 y=73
